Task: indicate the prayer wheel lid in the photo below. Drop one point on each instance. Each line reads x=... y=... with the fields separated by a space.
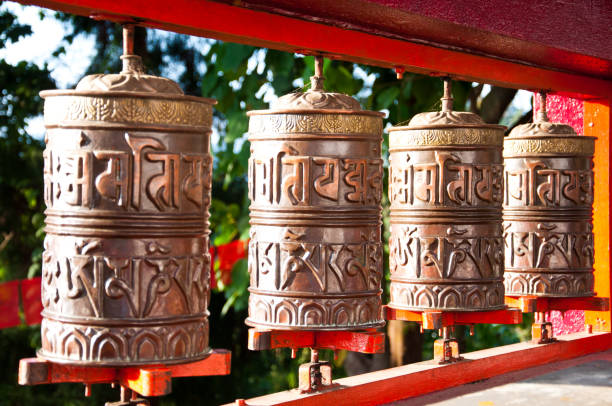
x=545 y=138
x=541 y=127
x=316 y=99
x=131 y=81
x=447 y=117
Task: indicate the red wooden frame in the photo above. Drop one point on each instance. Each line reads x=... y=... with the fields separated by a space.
x=531 y=304
x=434 y=320
x=151 y=380
x=229 y=22
x=368 y=342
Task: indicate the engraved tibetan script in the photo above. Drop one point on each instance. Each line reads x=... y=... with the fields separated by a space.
x=298 y=180
x=447 y=179
x=170 y=179
x=538 y=185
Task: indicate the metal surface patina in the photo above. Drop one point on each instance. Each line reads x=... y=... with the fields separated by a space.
x=548 y=224
x=315 y=184
x=446 y=189
x=127 y=176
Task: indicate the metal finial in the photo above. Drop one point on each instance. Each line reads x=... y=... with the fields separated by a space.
x=316 y=81
x=447 y=98
x=131 y=63
x=542 y=116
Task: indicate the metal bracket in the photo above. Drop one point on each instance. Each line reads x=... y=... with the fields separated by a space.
x=315 y=375
x=542 y=330
x=542 y=333
x=128 y=398
x=446 y=349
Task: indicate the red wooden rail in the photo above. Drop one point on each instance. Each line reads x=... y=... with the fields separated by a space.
x=293 y=33
x=407 y=381
x=369 y=342
x=434 y=320
x=531 y=304
x=151 y=380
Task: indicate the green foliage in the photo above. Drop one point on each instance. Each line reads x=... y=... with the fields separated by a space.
x=21 y=205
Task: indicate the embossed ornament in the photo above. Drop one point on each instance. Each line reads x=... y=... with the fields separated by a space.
x=127 y=182
x=315 y=185
x=548 y=230
x=445 y=190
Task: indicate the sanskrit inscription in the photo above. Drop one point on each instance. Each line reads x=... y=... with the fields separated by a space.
x=145 y=170
x=287 y=178
x=537 y=184
x=445 y=181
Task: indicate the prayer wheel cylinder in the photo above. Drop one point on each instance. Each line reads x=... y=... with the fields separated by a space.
x=445 y=190
x=127 y=176
x=548 y=209
x=315 y=184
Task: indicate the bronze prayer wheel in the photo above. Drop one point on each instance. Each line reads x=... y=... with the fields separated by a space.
x=315 y=184
x=548 y=209
x=446 y=189
x=127 y=175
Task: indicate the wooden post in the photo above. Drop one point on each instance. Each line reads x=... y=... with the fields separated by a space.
x=597 y=120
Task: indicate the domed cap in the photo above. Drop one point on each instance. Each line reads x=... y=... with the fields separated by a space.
x=543 y=138
x=316 y=98
x=126 y=98
x=131 y=79
x=541 y=127
x=447 y=117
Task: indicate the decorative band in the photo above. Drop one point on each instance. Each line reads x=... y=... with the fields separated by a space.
x=270 y=124
x=64 y=110
x=401 y=139
x=550 y=145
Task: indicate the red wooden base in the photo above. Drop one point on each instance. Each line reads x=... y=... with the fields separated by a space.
x=435 y=320
x=150 y=380
x=367 y=341
x=534 y=304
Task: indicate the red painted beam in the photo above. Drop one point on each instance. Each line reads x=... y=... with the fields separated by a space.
x=574 y=37
x=407 y=381
x=238 y=24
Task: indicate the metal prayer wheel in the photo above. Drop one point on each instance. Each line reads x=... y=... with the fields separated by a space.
x=315 y=184
x=445 y=190
x=548 y=201
x=127 y=180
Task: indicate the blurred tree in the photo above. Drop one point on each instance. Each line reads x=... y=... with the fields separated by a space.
x=241 y=78
x=20 y=159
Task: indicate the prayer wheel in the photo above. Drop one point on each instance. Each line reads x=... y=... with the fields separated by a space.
x=445 y=190
x=315 y=184
x=127 y=179
x=548 y=210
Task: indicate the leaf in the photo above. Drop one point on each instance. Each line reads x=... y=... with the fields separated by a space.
x=237 y=292
x=387 y=97
x=232 y=56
